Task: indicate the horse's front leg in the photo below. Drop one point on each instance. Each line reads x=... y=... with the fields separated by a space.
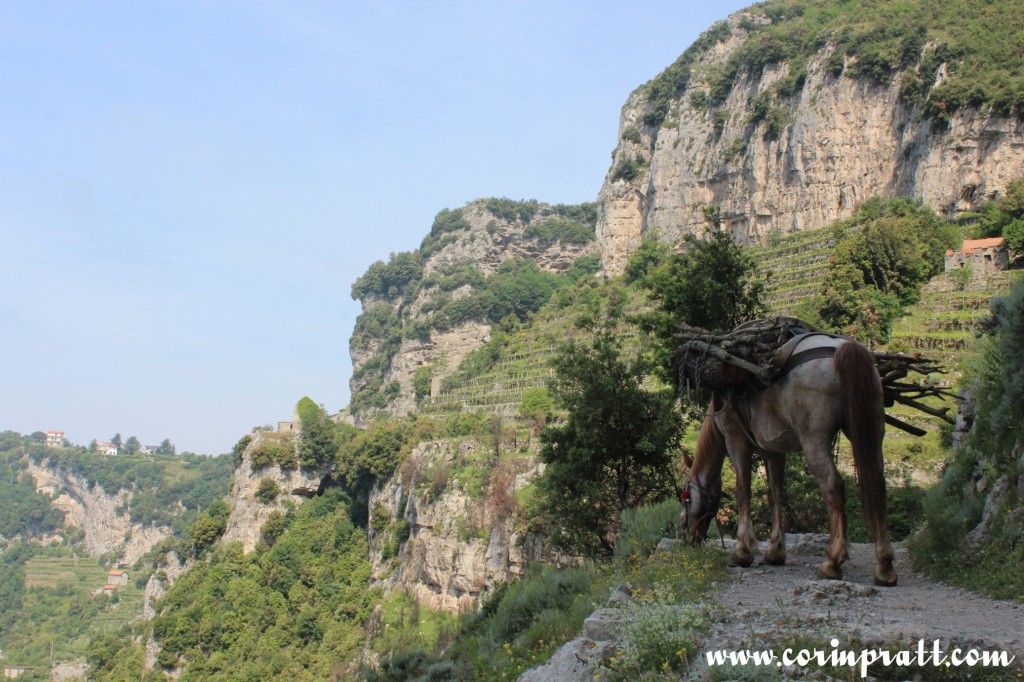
x=775 y=555
x=819 y=461
x=740 y=452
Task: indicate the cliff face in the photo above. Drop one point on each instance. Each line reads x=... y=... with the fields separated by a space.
x=484 y=240
x=248 y=512
x=836 y=142
x=445 y=539
x=103 y=518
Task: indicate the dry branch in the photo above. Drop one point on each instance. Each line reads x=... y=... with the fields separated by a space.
x=702 y=358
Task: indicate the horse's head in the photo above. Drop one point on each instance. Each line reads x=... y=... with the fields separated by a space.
x=702 y=492
x=700 y=506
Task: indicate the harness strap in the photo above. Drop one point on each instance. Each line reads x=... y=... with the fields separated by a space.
x=819 y=353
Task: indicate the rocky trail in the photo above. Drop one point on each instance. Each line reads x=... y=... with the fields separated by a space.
x=765 y=606
x=777 y=607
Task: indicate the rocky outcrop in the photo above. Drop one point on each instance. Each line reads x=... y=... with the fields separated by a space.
x=104 y=519
x=440 y=539
x=487 y=243
x=249 y=513
x=844 y=140
x=156 y=587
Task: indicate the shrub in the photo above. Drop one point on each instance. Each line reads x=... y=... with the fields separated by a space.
x=660 y=637
x=239 y=449
x=511 y=211
x=562 y=230
x=628 y=167
x=422 y=378
x=389 y=280
x=267 y=491
x=632 y=134
x=641 y=529
x=265 y=454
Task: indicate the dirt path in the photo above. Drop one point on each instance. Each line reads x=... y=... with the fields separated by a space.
x=764 y=606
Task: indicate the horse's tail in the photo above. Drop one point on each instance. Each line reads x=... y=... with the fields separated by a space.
x=864 y=426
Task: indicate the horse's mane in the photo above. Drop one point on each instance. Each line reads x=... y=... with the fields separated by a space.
x=710 y=443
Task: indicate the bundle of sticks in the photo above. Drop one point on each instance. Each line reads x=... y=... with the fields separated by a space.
x=756 y=352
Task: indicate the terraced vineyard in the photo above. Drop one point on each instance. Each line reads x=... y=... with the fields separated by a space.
x=796 y=265
x=49 y=572
x=944 y=321
x=63 y=607
x=524 y=362
x=84 y=573
x=501 y=388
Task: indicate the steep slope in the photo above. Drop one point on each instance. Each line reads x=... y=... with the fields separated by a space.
x=789 y=114
x=104 y=519
x=424 y=311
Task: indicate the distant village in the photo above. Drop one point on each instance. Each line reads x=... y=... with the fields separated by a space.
x=56 y=439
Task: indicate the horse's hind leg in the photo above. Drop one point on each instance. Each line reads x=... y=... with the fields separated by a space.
x=819 y=460
x=740 y=452
x=775 y=555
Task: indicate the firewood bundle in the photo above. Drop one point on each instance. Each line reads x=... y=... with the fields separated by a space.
x=748 y=356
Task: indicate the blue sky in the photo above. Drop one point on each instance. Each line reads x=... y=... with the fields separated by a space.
x=189 y=189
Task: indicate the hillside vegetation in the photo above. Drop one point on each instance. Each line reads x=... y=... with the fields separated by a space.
x=971 y=45
x=405 y=300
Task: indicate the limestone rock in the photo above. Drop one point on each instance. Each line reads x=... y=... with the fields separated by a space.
x=248 y=514
x=489 y=242
x=104 y=518
x=981 y=534
x=576 y=661
x=458 y=546
x=846 y=140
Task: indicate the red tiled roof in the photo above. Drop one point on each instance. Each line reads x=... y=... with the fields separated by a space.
x=115 y=572
x=971 y=244
x=110 y=587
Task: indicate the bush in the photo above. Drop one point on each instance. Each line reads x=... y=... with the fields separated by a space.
x=267 y=491
x=660 y=637
x=510 y=211
x=389 y=280
x=239 y=449
x=555 y=230
x=628 y=167
x=641 y=529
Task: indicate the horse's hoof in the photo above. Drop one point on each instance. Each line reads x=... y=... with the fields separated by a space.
x=829 y=572
x=740 y=561
x=888 y=580
x=775 y=559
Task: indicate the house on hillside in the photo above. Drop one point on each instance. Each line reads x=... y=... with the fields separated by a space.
x=54 y=439
x=14 y=671
x=117 y=577
x=982 y=256
x=106 y=449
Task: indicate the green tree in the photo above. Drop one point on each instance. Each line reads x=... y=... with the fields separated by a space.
x=166 y=447
x=132 y=445
x=535 y=407
x=879 y=269
x=1013 y=232
x=711 y=284
x=614 y=450
x=209 y=525
x=116 y=440
x=316 y=439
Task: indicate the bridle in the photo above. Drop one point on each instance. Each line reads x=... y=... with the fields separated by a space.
x=711 y=501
